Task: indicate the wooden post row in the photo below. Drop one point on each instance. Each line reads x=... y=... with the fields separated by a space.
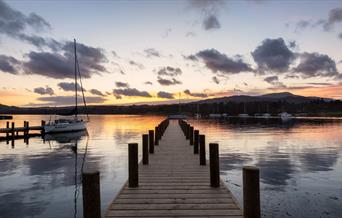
x=133 y=175
x=214 y=165
x=251 y=192
x=151 y=141
x=91 y=195
x=196 y=141
x=145 y=148
x=202 y=149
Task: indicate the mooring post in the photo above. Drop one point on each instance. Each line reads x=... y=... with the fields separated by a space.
x=7 y=127
x=196 y=141
x=187 y=131
x=145 y=148
x=91 y=194
x=251 y=192
x=151 y=141
x=12 y=130
x=202 y=149
x=133 y=177
x=191 y=135
x=214 y=165
x=156 y=132
x=43 y=124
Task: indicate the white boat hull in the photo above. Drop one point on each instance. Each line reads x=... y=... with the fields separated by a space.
x=65 y=127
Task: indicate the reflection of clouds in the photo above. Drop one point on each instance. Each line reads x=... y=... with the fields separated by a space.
x=275 y=167
x=314 y=160
x=232 y=161
x=8 y=165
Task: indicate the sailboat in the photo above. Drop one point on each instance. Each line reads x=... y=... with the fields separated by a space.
x=244 y=114
x=70 y=124
x=179 y=115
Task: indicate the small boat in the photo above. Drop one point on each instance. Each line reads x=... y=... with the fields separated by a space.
x=265 y=116
x=243 y=115
x=69 y=124
x=177 y=116
x=285 y=116
x=198 y=116
x=215 y=115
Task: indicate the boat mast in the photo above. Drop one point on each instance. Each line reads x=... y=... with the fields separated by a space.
x=75 y=79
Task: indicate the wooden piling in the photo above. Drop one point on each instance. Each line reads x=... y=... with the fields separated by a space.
x=43 y=124
x=191 y=135
x=91 y=194
x=133 y=177
x=202 y=149
x=145 y=148
x=151 y=141
x=196 y=141
x=187 y=131
x=251 y=192
x=214 y=165
x=156 y=132
x=7 y=126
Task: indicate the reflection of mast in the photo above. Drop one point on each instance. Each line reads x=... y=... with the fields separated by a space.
x=76 y=184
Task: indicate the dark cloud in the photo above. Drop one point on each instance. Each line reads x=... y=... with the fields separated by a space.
x=190 y=57
x=65 y=86
x=274 y=80
x=121 y=85
x=273 y=55
x=148 y=83
x=169 y=71
x=167 y=95
x=316 y=65
x=70 y=100
x=132 y=92
x=220 y=63
x=209 y=10
x=14 y=24
x=168 y=82
x=9 y=64
x=216 y=80
x=335 y=16
x=197 y=95
x=340 y=35
x=320 y=84
x=211 y=22
x=61 y=66
x=44 y=91
x=96 y=92
x=151 y=52
x=136 y=64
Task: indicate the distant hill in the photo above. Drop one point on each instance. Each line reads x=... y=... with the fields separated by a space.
x=272 y=97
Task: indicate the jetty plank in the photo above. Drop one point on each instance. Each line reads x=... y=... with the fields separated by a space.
x=174 y=184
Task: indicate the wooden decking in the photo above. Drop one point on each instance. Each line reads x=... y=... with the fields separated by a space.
x=174 y=185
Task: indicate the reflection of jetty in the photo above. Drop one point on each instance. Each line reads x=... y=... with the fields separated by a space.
x=12 y=133
x=173 y=180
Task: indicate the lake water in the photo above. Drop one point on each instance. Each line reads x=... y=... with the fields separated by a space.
x=300 y=164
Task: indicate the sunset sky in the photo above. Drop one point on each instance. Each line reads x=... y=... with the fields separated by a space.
x=151 y=51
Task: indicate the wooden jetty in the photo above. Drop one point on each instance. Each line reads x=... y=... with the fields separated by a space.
x=11 y=132
x=174 y=180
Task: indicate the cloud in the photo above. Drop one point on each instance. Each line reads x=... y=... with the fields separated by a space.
x=190 y=34
x=216 y=80
x=274 y=80
x=136 y=64
x=168 y=82
x=131 y=92
x=151 y=52
x=219 y=63
x=65 y=86
x=70 y=100
x=44 y=91
x=211 y=22
x=316 y=65
x=96 y=92
x=167 y=95
x=9 y=64
x=335 y=16
x=169 y=71
x=209 y=10
x=166 y=33
x=60 y=66
x=14 y=24
x=273 y=55
x=121 y=85
x=197 y=95
x=340 y=35
x=190 y=57
x=148 y=83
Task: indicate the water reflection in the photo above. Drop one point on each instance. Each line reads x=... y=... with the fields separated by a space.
x=300 y=162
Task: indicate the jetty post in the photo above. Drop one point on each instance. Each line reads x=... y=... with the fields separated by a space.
x=191 y=135
x=43 y=124
x=214 y=165
x=145 y=148
x=133 y=175
x=156 y=133
x=151 y=141
x=7 y=127
x=251 y=192
x=202 y=150
x=91 y=194
x=196 y=141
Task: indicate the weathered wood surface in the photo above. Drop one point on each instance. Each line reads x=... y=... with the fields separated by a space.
x=174 y=184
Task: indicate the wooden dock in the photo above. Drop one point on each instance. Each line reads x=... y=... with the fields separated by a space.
x=174 y=184
x=11 y=133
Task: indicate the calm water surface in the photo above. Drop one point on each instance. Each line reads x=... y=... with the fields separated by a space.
x=300 y=163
